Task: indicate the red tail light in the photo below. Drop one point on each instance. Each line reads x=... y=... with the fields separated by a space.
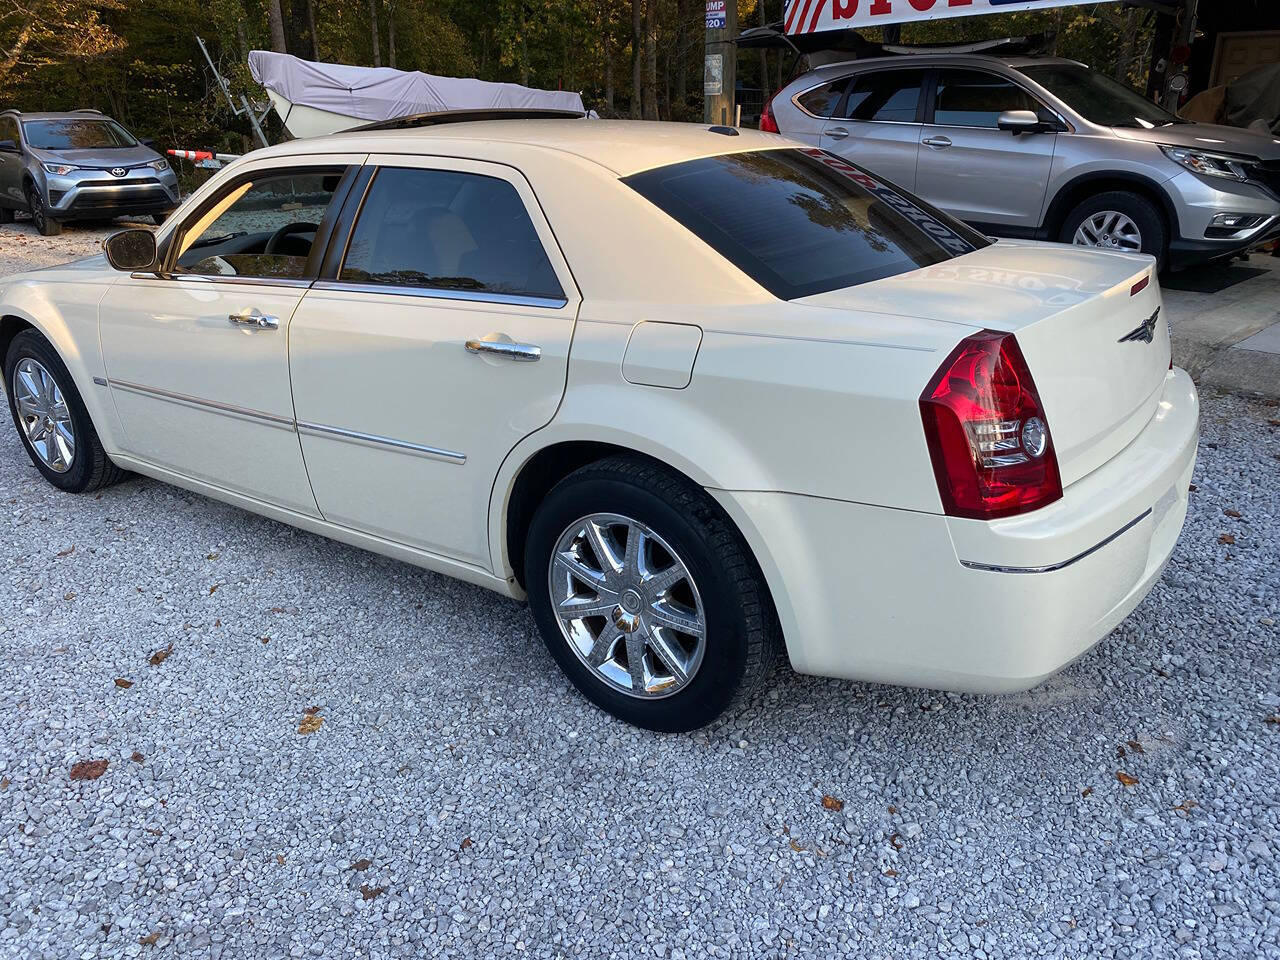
x=767 y=122
x=987 y=433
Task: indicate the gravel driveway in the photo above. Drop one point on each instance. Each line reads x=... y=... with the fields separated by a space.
x=457 y=798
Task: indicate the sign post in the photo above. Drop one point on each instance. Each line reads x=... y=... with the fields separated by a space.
x=718 y=71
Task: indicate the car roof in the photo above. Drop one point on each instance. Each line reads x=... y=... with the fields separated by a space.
x=58 y=115
x=1014 y=61
x=621 y=146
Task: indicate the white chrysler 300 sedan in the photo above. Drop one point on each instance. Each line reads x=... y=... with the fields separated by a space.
x=701 y=394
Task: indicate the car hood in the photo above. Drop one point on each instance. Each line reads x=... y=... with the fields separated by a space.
x=1208 y=136
x=100 y=158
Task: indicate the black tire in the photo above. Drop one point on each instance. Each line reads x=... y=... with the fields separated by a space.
x=47 y=226
x=1149 y=220
x=90 y=467
x=742 y=636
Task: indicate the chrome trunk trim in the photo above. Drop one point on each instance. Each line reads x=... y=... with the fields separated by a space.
x=994 y=568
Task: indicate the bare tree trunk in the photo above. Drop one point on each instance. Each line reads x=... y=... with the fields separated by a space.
x=373 y=21
x=391 y=33
x=311 y=28
x=651 y=60
x=764 y=58
x=606 y=44
x=276 y=18
x=637 y=56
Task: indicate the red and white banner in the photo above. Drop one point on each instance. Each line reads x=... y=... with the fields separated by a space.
x=815 y=16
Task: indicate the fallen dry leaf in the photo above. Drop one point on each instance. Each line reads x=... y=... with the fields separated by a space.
x=311 y=723
x=466 y=842
x=896 y=841
x=891 y=873
x=212 y=556
x=1192 y=487
x=1135 y=746
x=150 y=939
x=1227 y=538
x=1124 y=778
x=136 y=757
x=160 y=656
x=369 y=892
x=311 y=711
x=1234 y=514
x=831 y=803
x=1186 y=806
x=67 y=552
x=893 y=809
x=360 y=866
x=214 y=589
x=280 y=859
x=265 y=640
x=68 y=596
x=88 y=769
x=123 y=684
x=1274 y=423
x=1274 y=718
x=796 y=847
x=1086 y=791
x=4 y=783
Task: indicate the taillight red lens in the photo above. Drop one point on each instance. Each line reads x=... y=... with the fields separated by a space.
x=988 y=436
x=767 y=122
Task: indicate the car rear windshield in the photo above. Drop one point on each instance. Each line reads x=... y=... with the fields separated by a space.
x=1097 y=97
x=801 y=222
x=74 y=133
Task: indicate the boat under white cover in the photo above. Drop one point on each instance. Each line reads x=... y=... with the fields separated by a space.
x=315 y=99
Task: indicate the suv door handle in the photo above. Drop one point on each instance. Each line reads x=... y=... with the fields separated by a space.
x=838 y=133
x=939 y=142
x=500 y=345
x=252 y=318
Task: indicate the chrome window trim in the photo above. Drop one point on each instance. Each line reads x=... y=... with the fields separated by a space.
x=442 y=293
x=230 y=409
x=1049 y=568
x=371 y=439
x=298 y=284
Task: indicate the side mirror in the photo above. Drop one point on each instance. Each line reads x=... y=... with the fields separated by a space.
x=8 y=146
x=1021 y=121
x=131 y=250
x=147 y=142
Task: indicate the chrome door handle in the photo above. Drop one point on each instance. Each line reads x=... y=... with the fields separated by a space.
x=936 y=141
x=837 y=133
x=506 y=348
x=251 y=318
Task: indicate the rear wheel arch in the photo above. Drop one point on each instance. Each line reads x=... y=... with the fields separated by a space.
x=1080 y=189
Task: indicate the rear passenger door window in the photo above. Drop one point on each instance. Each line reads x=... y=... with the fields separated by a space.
x=885 y=96
x=451 y=232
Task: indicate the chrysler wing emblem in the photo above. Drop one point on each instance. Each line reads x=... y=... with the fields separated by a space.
x=118 y=171
x=1143 y=334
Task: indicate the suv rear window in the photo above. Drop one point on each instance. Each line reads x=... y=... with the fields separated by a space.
x=801 y=222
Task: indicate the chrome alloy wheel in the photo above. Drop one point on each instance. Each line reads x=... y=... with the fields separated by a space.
x=1109 y=230
x=627 y=605
x=43 y=413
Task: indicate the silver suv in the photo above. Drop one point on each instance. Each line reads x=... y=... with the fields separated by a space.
x=1042 y=148
x=79 y=166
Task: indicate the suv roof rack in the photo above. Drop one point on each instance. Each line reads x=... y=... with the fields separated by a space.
x=465 y=116
x=87 y=110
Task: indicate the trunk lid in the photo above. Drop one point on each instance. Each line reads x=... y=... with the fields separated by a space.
x=1071 y=309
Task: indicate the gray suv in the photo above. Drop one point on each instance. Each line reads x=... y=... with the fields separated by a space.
x=79 y=166
x=1042 y=148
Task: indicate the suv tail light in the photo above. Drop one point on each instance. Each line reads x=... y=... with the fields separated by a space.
x=987 y=433
x=767 y=122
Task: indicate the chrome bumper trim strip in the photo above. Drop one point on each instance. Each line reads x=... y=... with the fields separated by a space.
x=994 y=568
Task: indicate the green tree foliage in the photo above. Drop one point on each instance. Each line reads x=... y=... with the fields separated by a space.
x=138 y=59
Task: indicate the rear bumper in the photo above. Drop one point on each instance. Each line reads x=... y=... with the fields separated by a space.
x=896 y=596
